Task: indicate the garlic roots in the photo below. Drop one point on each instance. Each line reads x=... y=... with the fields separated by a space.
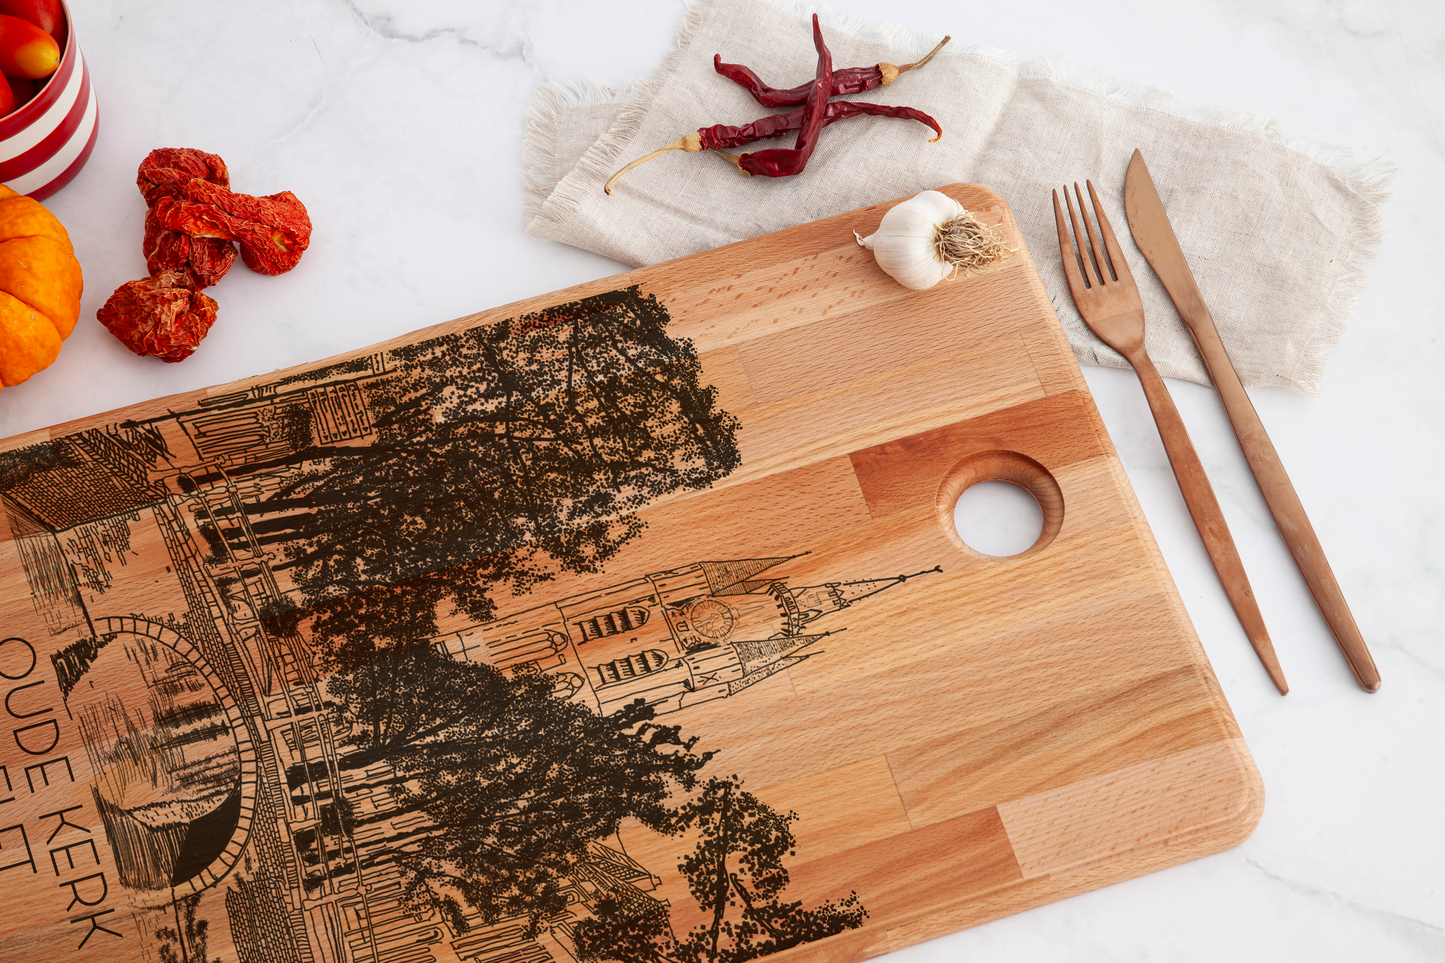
x=930 y=237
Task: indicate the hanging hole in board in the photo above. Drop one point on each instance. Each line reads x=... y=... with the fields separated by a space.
x=1000 y=504
x=998 y=518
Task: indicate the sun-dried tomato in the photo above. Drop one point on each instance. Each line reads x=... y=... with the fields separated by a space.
x=192 y=220
x=159 y=316
x=273 y=231
x=166 y=171
x=203 y=260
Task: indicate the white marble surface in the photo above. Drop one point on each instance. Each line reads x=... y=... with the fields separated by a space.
x=399 y=124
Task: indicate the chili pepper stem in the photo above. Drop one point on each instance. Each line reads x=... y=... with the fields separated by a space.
x=891 y=72
x=692 y=143
x=735 y=160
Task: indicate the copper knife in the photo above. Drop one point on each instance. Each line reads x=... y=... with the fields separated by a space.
x=1155 y=238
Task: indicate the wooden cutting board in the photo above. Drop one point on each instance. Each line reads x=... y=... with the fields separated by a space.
x=629 y=622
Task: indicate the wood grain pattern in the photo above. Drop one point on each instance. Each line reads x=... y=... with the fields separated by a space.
x=375 y=660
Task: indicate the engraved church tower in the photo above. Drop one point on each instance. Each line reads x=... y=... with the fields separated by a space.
x=675 y=638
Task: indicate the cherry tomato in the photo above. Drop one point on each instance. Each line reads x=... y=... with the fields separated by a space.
x=26 y=50
x=45 y=14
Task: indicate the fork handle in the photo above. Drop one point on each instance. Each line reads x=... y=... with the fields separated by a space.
x=1284 y=503
x=1208 y=518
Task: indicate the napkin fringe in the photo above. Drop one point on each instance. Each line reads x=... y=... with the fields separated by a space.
x=544 y=131
x=604 y=158
x=1368 y=182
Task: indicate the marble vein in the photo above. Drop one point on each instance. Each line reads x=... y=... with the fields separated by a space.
x=1415 y=932
x=385 y=25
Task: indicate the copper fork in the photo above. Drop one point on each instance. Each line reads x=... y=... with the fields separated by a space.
x=1107 y=298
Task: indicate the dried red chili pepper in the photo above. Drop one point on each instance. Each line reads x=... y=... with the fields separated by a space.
x=778 y=124
x=718 y=137
x=273 y=231
x=159 y=316
x=848 y=108
x=783 y=161
x=850 y=80
x=780 y=162
x=808 y=121
x=840 y=110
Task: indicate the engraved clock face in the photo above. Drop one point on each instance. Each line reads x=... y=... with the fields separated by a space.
x=711 y=618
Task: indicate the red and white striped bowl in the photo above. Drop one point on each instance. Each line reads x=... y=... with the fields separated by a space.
x=46 y=142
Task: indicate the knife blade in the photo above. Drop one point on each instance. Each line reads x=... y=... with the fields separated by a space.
x=1155 y=238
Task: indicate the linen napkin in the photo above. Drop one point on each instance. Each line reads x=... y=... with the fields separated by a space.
x=1275 y=231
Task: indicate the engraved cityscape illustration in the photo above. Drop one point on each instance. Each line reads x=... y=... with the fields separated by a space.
x=298 y=690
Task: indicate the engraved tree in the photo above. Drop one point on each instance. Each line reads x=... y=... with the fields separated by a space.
x=737 y=875
x=503 y=453
x=188 y=936
x=514 y=782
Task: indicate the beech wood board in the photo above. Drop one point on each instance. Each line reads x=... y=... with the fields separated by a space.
x=264 y=643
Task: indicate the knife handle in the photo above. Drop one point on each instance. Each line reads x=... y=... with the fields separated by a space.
x=1283 y=501
x=1208 y=517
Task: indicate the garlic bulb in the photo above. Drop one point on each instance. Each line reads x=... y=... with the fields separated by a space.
x=929 y=237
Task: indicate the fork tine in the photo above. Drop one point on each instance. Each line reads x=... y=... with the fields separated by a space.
x=1116 y=253
x=1066 y=249
x=1100 y=264
x=1083 y=251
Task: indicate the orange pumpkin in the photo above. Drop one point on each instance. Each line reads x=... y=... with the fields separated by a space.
x=40 y=285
